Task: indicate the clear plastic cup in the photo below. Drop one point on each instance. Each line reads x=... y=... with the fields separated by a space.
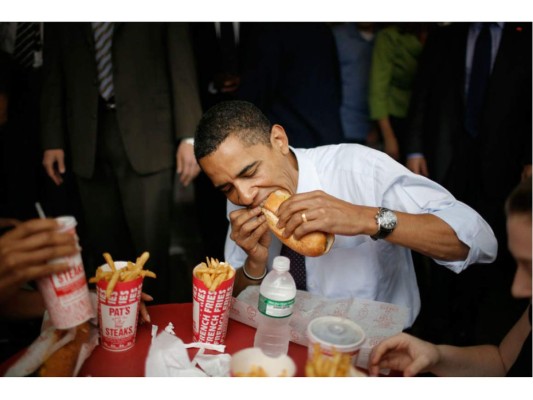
x=335 y=333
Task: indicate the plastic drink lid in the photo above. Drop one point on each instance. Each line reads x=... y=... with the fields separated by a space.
x=341 y=333
x=281 y=264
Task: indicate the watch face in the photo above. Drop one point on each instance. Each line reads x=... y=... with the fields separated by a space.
x=388 y=220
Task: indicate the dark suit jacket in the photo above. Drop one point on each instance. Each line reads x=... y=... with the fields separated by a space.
x=291 y=73
x=212 y=60
x=155 y=85
x=436 y=118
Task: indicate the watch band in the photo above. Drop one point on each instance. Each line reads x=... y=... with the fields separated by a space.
x=382 y=232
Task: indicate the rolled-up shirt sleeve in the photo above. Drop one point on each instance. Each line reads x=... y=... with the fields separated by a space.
x=404 y=191
x=472 y=230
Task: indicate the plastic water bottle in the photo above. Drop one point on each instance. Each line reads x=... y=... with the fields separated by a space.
x=276 y=300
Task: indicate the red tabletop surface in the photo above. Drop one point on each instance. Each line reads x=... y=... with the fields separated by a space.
x=131 y=362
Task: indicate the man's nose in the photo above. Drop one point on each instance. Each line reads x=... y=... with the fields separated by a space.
x=246 y=195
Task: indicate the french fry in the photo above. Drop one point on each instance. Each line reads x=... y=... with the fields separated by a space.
x=112 y=283
x=109 y=261
x=142 y=260
x=129 y=273
x=212 y=272
x=320 y=365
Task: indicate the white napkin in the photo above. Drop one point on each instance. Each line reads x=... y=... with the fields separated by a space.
x=168 y=357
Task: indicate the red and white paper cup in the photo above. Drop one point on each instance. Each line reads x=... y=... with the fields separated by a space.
x=210 y=312
x=66 y=294
x=117 y=316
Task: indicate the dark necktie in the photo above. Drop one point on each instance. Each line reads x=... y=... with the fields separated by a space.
x=103 y=39
x=297 y=268
x=479 y=76
x=26 y=43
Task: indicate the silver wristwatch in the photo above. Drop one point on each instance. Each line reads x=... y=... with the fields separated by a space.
x=387 y=221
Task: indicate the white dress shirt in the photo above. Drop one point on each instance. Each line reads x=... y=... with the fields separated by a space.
x=357 y=266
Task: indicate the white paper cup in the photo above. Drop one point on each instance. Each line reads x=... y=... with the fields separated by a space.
x=117 y=316
x=210 y=311
x=244 y=361
x=66 y=294
x=335 y=333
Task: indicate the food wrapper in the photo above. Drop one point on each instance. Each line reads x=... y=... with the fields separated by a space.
x=168 y=357
x=45 y=345
x=378 y=320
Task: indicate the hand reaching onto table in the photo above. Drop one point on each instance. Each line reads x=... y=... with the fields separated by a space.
x=405 y=353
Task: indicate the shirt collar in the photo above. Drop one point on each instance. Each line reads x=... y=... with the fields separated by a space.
x=308 y=179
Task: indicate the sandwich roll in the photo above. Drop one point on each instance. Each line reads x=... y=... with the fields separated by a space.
x=311 y=245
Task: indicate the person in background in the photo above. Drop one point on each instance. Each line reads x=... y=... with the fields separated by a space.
x=123 y=98
x=512 y=357
x=219 y=49
x=355 y=42
x=469 y=129
x=378 y=210
x=23 y=180
x=394 y=63
x=290 y=71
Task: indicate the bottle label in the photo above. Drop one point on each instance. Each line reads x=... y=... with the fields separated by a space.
x=275 y=309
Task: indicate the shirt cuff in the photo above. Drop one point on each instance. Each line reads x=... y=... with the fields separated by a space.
x=189 y=141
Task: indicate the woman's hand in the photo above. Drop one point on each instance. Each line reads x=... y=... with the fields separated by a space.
x=405 y=353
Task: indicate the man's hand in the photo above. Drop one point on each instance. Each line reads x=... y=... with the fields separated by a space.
x=324 y=213
x=54 y=164
x=26 y=250
x=145 y=317
x=250 y=231
x=188 y=168
x=418 y=165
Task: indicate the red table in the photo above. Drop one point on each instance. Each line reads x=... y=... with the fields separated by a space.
x=131 y=362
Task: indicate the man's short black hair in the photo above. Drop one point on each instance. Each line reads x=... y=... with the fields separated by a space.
x=235 y=117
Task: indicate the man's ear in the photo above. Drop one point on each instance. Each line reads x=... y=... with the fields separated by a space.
x=279 y=139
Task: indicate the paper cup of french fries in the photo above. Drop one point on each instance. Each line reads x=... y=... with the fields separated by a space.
x=118 y=289
x=332 y=336
x=252 y=362
x=212 y=285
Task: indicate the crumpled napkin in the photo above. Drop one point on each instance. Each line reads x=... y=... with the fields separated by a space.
x=168 y=357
